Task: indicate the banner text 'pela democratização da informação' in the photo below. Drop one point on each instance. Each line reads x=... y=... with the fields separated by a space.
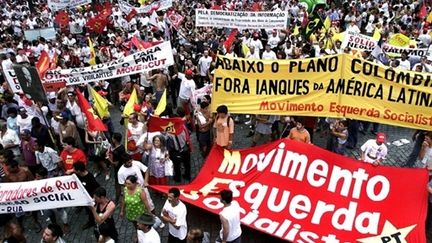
x=332 y=86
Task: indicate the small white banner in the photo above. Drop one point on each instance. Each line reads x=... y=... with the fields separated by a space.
x=57 y=192
x=56 y=5
x=240 y=19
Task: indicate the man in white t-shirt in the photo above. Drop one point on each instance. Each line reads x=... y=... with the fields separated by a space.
x=268 y=54
x=146 y=233
x=24 y=120
x=203 y=66
x=174 y=213
x=374 y=151
x=132 y=167
x=187 y=88
x=230 y=219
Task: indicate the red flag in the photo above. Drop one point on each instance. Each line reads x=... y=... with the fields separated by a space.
x=175 y=19
x=106 y=10
x=423 y=11
x=94 y=122
x=43 y=64
x=62 y=18
x=170 y=125
x=131 y=14
x=230 y=40
x=97 y=24
x=141 y=45
x=256 y=7
x=98 y=8
x=154 y=7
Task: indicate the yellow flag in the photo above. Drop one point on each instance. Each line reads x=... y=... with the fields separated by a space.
x=129 y=107
x=245 y=49
x=429 y=18
x=399 y=40
x=327 y=23
x=376 y=35
x=100 y=103
x=296 y=30
x=142 y=2
x=162 y=104
x=92 y=60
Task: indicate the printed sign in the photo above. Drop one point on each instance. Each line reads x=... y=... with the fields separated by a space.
x=125 y=7
x=301 y=193
x=57 y=192
x=47 y=33
x=331 y=86
x=240 y=19
x=30 y=83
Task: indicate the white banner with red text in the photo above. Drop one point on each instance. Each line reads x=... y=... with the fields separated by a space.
x=301 y=193
x=57 y=192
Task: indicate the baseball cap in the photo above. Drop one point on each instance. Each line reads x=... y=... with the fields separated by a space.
x=380 y=137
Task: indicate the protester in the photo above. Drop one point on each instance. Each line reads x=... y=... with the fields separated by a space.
x=115 y=154
x=230 y=219
x=97 y=150
x=158 y=156
x=425 y=154
x=52 y=234
x=299 y=133
x=103 y=212
x=71 y=155
x=223 y=128
x=196 y=235
x=146 y=233
x=174 y=213
x=374 y=151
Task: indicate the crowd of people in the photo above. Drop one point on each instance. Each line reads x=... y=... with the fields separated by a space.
x=47 y=140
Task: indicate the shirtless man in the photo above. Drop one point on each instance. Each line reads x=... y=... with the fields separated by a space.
x=17 y=174
x=161 y=82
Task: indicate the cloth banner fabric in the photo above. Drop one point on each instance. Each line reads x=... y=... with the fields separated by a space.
x=125 y=7
x=241 y=19
x=332 y=86
x=57 y=192
x=367 y=43
x=302 y=193
x=157 y=56
x=170 y=125
x=56 y=5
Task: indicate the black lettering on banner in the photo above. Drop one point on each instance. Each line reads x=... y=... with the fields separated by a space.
x=316 y=65
x=389 y=74
x=126 y=64
x=355 y=88
x=282 y=87
x=234 y=85
x=275 y=67
x=354 y=62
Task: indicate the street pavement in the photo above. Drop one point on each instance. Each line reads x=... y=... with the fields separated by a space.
x=200 y=218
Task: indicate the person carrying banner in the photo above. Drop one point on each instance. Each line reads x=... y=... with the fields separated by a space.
x=374 y=151
x=230 y=219
x=103 y=212
x=174 y=213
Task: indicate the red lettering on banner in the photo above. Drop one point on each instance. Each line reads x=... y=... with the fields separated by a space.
x=299 y=192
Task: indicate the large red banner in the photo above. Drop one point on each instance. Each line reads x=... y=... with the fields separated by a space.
x=302 y=193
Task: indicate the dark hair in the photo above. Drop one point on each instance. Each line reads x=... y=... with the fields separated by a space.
x=40 y=142
x=226 y=195
x=175 y=191
x=222 y=109
x=117 y=136
x=197 y=235
x=100 y=192
x=12 y=110
x=204 y=104
x=35 y=120
x=299 y=119
x=124 y=157
x=56 y=230
x=344 y=122
x=42 y=171
x=79 y=166
x=7 y=153
x=13 y=163
x=162 y=141
x=132 y=178
x=69 y=141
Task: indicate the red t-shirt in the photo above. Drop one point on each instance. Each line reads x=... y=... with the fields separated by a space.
x=70 y=158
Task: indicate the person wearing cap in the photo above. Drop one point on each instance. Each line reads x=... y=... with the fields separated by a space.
x=187 y=89
x=374 y=151
x=174 y=213
x=146 y=233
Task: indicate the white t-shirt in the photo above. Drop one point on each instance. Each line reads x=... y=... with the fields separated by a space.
x=136 y=169
x=373 y=151
x=269 y=55
x=427 y=159
x=187 y=87
x=179 y=214
x=405 y=65
x=150 y=237
x=257 y=44
x=273 y=41
x=204 y=65
x=232 y=215
x=24 y=123
x=77 y=113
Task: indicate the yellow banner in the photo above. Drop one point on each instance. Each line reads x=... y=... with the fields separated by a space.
x=332 y=86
